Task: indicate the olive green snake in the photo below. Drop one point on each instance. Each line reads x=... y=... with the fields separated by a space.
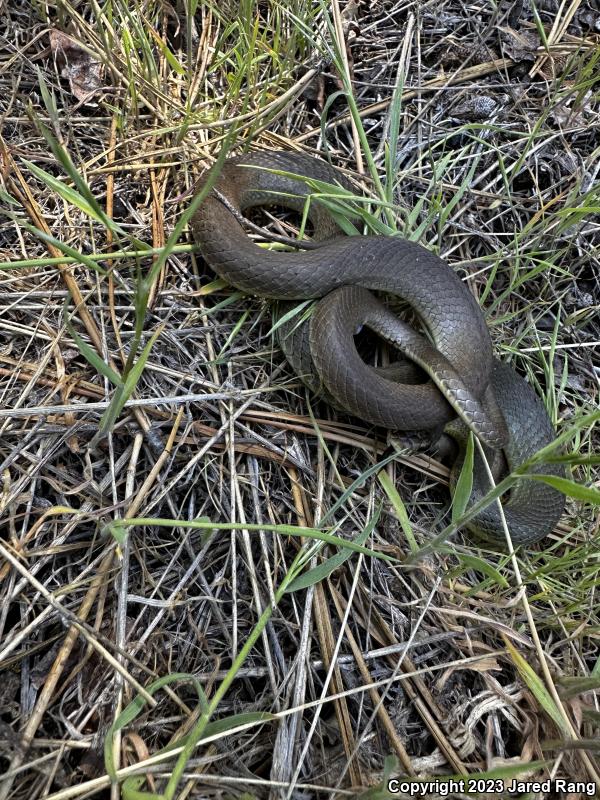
x=463 y=380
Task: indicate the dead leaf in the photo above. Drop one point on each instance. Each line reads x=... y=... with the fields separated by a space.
x=79 y=67
x=485 y=665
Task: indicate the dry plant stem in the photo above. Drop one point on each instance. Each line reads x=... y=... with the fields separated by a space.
x=499 y=627
x=59 y=664
x=96 y=626
x=266 y=570
x=133 y=404
x=329 y=652
x=21 y=191
x=254 y=580
x=203 y=54
x=287 y=733
x=95 y=785
x=157 y=187
x=376 y=698
x=316 y=600
x=399 y=665
x=229 y=438
x=136 y=502
x=78 y=389
x=120 y=627
x=557 y=31
x=437 y=83
x=522 y=594
x=342 y=48
x=421 y=699
x=329 y=678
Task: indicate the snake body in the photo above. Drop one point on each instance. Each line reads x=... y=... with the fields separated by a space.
x=464 y=379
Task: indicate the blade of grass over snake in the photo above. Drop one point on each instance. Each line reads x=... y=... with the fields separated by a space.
x=587 y=494
x=464 y=483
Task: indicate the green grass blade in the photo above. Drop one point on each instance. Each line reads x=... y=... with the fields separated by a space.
x=286 y=530
x=89 y=353
x=464 y=484
x=137 y=705
x=125 y=390
x=329 y=565
x=587 y=494
x=477 y=564
x=399 y=508
x=537 y=688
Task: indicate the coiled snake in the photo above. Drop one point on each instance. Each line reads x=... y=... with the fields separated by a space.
x=464 y=379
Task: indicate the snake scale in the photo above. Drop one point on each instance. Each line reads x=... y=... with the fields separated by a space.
x=464 y=387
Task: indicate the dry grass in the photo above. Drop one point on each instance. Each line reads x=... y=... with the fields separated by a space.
x=477 y=124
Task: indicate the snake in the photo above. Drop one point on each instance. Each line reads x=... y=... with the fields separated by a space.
x=352 y=278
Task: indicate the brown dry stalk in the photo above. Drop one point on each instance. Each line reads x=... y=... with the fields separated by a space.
x=60 y=662
x=327 y=643
x=158 y=185
x=387 y=723
x=557 y=32
x=421 y=698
